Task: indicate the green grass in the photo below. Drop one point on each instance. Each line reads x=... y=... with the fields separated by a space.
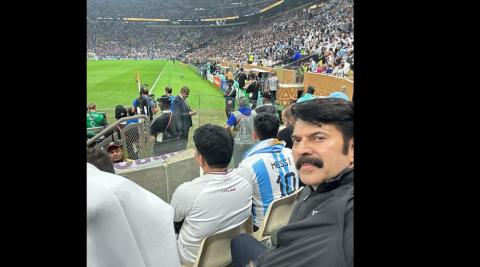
x=112 y=82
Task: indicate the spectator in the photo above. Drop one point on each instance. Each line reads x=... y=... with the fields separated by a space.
x=339 y=95
x=313 y=65
x=241 y=83
x=268 y=167
x=319 y=232
x=241 y=124
x=286 y=133
x=131 y=112
x=308 y=96
x=126 y=224
x=144 y=105
x=273 y=86
x=216 y=201
x=267 y=105
x=253 y=89
x=115 y=150
x=230 y=96
x=94 y=119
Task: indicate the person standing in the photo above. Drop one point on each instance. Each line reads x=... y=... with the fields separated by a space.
x=183 y=114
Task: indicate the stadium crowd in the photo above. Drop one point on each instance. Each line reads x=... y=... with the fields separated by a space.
x=325 y=32
x=247 y=164
x=174 y=9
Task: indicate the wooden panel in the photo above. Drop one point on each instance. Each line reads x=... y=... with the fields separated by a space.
x=286 y=94
x=326 y=84
x=257 y=67
x=285 y=75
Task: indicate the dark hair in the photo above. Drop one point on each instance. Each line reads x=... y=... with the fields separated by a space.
x=336 y=111
x=120 y=112
x=130 y=112
x=243 y=102
x=185 y=89
x=266 y=125
x=164 y=102
x=168 y=89
x=311 y=90
x=215 y=144
x=288 y=112
x=267 y=95
x=100 y=159
x=143 y=91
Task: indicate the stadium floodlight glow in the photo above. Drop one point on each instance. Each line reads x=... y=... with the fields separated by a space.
x=271 y=6
x=145 y=19
x=216 y=19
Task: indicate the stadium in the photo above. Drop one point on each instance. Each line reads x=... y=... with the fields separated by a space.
x=184 y=98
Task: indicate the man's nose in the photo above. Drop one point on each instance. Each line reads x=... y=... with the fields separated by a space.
x=302 y=148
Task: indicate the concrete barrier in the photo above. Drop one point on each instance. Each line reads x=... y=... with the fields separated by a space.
x=180 y=168
x=163 y=178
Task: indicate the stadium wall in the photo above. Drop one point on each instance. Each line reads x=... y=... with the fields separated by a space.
x=325 y=84
x=163 y=177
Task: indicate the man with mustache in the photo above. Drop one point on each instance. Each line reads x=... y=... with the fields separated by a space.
x=320 y=229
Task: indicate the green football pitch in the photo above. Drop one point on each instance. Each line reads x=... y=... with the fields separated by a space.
x=113 y=82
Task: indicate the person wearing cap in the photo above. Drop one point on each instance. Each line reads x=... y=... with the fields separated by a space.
x=308 y=96
x=115 y=151
x=230 y=96
x=339 y=95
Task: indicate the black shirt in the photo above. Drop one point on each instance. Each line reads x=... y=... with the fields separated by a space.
x=286 y=135
x=253 y=88
x=241 y=79
x=160 y=126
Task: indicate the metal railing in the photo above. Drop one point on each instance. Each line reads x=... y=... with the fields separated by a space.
x=134 y=137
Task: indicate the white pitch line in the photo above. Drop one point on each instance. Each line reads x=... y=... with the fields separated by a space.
x=159 y=75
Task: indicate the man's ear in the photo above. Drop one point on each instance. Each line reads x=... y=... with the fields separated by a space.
x=255 y=136
x=350 y=151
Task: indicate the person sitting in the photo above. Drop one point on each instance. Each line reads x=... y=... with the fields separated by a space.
x=115 y=150
x=216 y=201
x=268 y=166
x=126 y=224
x=320 y=229
x=94 y=119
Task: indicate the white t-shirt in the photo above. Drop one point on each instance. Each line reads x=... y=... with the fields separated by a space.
x=212 y=203
x=270 y=169
x=126 y=224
